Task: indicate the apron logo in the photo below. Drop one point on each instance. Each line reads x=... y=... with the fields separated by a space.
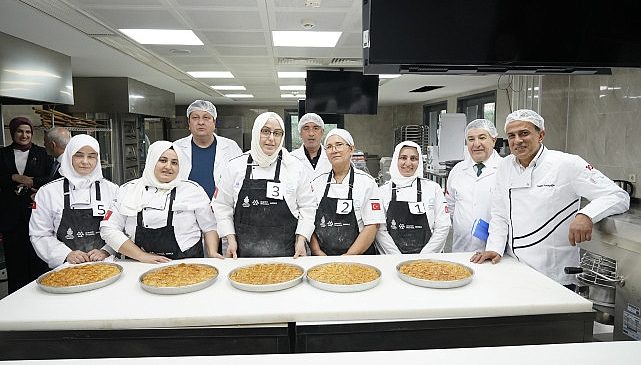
x=69 y=234
x=80 y=234
x=330 y=224
x=401 y=226
x=246 y=202
x=107 y=215
x=376 y=206
x=322 y=222
x=393 y=224
x=255 y=202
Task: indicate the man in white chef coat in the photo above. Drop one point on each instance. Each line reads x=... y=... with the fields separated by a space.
x=206 y=150
x=536 y=213
x=470 y=185
x=311 y=154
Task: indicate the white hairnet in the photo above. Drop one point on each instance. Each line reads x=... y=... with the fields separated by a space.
x=310 y=118
x=202 y=106
x=525 y=115
x=482 y=124
x=344 y=134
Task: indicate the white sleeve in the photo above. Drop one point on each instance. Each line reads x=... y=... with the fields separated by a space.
x=223 y=201
x=42 y=231
x=372 y=210
x=450 y=192
x=499 y=222
x=384 y=242
x=606 y=198
x=442 y=222
x=306 y=202
x=112 y=227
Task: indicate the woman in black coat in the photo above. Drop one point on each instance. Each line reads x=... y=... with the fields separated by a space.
x=24 y=167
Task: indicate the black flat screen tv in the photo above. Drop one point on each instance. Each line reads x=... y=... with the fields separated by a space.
x=540 y=36
x=341 y=92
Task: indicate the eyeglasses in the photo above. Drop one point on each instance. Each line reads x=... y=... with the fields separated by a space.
x=265 y=132
x=338 y=146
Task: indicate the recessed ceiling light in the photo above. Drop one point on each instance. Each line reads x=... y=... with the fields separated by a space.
x=298 y=96
x=388 y=76
x=163 y=36
x=228 y=87
x=211 y=74
x=239 y=96
x=292 y=75
x=305 y=38
x=34 y=73
x=293 y=87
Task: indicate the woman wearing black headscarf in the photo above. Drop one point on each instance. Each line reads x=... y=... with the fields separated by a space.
x=24 y=167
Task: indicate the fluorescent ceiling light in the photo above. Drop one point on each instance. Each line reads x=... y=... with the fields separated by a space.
x=228 y=87
x=134 y=96
x=305 y=38
x=298 y=96
x=211 y=74
x=24 y=83
x=388 y=76
x=163 y=36
x=239 y=96
x=293 y=87
x=292 y=75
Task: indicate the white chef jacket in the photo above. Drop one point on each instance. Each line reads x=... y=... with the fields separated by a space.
x=468 y=199
x=435 y=209
x=189 y=224
x=47 y=213
x=226 y=149
x=367 y=203
x=532 y=209
x=323 y=164
x=297 y=193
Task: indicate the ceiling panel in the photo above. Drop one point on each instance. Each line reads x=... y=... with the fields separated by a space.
x=323 y=21
x=236 y=38
x=212 y=19
x=241 y=51
x=138 y=18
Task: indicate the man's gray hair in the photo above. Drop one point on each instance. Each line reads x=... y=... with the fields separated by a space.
x=59 y=135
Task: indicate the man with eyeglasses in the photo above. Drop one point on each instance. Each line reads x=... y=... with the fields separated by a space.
x=311 y=154
x=204 y=149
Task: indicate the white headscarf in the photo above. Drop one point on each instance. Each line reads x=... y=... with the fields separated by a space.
x=66 y=166
x=256 y=152
x=394 y=172
x=133 y=202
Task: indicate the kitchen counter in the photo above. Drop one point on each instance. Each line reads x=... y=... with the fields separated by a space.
x=620 y=353
x=500 y=297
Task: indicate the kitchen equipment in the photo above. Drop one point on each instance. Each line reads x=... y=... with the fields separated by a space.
x=625 y=185
x=617 y=239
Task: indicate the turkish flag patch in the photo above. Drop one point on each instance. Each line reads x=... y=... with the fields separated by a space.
x=33 y=205
x=106 y=218
x=376 y=206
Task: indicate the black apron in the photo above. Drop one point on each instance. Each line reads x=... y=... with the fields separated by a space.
x=337 y=232
x=265 y=227
x=162 y=241
x=79 y=229
x=410 y=232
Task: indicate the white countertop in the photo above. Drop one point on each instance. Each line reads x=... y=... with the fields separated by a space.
x=505 y=289
x=619 y=353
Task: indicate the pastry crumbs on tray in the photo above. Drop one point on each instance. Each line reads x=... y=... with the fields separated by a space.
x=265 y=274
x=179 y=275
x=80 y=275
x=343 y=273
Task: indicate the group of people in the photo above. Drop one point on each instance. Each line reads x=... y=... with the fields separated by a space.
x=201 y=196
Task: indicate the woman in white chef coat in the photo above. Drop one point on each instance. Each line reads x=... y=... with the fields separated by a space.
x=161 y=216
x=349 y=208
x=417 y=220
x=263 y=202
x=65 y=220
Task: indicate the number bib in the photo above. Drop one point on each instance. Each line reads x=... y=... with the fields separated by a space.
x=416 y=207
x=343 y=206
x=275 y=190
x=99 y=210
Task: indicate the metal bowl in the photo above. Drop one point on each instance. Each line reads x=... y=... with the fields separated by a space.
x=171 y=290
x=344 y=288
x=79 y=288
x=266 y=287
x=437 y=284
